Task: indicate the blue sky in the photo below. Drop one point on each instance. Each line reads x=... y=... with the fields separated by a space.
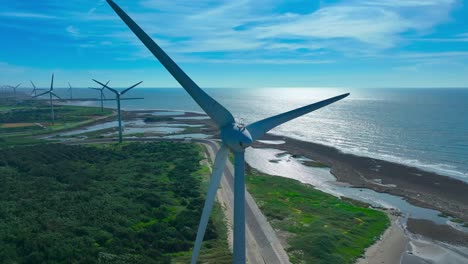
x=242 y=43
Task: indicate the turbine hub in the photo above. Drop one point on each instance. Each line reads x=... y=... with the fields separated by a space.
x=236 y=137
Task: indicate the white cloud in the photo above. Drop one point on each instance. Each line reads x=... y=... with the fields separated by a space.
x=73 y=31
x=27 y=15
x=257 y=28
x=233 y=26
x=377 y=23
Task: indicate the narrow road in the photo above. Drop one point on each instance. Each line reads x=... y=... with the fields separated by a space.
x=263 y=247
x=262 y=244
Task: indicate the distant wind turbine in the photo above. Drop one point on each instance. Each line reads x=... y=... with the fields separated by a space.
x=14 y=89
x=234 y=136
x=117 y=97
x=101 y=90
x=51 y=93
x=34 y=91
x=70 y=90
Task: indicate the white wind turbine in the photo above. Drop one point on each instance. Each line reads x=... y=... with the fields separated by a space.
x=101 y=92
x=117 y=98
x=70 y=90
x=34 y=91
x=51 y=93
x=235 y=137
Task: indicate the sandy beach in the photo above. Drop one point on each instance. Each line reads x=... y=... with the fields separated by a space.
x=389 y=248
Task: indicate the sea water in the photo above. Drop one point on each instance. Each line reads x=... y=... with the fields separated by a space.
x=425 y=128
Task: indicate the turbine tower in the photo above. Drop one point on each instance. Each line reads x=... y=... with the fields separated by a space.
x=117 y=97
x=14 y=89
x=51 y=93
x=101 y=90
x=234 y=136
x=34 y=91
x=70 y=90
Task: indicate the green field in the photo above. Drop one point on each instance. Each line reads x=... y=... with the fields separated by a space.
x=129 y=203
x=320 y=227
x=19 y=122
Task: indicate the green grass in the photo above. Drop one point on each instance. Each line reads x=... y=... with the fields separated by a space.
x=445 y=215
x=67 y=117
x=19 y=141
x=321 y=227
x=457 y=220
x=314 y=164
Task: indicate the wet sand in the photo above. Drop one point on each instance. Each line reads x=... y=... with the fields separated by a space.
x=442 y=233
x=389 y=248
x=421 y=188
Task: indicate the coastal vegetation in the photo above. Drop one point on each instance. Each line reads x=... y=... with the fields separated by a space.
x=21 y=120
x=129 y=203
x=151 y=119
x=32 y=116
x=319 y=227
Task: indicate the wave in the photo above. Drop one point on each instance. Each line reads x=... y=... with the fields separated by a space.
x=440 y=168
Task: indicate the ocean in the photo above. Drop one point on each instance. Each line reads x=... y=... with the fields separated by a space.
x=424 y=128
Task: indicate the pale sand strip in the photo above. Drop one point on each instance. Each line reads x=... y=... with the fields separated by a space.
x=390 y=247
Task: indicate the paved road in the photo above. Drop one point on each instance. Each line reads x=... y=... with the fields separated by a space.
x=262 y=244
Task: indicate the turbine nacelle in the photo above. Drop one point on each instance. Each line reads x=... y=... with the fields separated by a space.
x=236 y=137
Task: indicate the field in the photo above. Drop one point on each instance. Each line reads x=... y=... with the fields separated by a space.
x=129 y=203
x=19 y=122
x=319 y=227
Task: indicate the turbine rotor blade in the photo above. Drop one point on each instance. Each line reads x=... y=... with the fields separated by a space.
x=34 y=87
x=260 y=128
x=52 y=83
x=41 y=94
x=217 y=173
x=105 y=85
x=220 y=115
x=131 y=87
x=55 y=95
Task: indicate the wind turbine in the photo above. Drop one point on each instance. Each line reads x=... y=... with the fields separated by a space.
x=34 y=91
x=234 y=136
x=14 y=89
x=101 y=90
x=117 y=97
x=71 y=90
x=51 y=93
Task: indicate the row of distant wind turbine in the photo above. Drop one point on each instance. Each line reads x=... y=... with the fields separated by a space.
x=118 y=94
x=4 y=92
x=235 y=137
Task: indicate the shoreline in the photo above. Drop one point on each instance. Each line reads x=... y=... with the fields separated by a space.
x=389 y=248
x=420 y=188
